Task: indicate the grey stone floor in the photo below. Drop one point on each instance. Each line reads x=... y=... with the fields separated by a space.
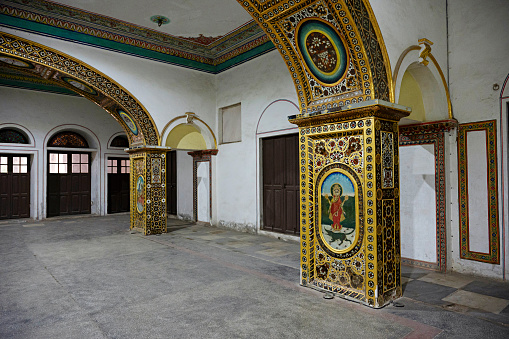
x=90 y=277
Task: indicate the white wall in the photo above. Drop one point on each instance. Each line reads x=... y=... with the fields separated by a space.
x=166 y=91
x=404 y=22
x=44 y=114
x=479 y=49
x=418 y=206
x=255 y=84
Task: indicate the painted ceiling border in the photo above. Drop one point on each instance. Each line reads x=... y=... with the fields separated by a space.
x=240 y=45
x=33 y=84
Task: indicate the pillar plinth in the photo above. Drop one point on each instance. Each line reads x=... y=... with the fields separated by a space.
x=349 y=201
x=148 y=189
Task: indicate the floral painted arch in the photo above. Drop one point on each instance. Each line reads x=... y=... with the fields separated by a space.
x=334 y=50
x=35 y=59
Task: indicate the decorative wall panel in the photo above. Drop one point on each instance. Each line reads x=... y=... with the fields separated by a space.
x=333 y=50
x=432 y=134
x=491 y=185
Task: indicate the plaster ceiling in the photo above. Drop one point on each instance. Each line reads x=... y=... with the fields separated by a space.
x=206 y=35
x=188 y=18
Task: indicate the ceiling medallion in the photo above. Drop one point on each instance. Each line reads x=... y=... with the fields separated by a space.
x=159 y=20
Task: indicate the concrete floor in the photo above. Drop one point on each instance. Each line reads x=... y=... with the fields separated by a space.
x=90 y=277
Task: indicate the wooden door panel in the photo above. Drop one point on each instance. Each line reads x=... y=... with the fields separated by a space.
x=15 y=184
x=64 y=186
x=4 y=203
x=124 y=201
x=24 y=206
x=268 y=209
x=63 y=205
x=281 y=184
x=292 y=215
x=68 y=192
x=75 y=203
x=171 y=182
x=118 y=187
x=85 y=204
x=279 y=210
x=15 y=188
x=15 y=201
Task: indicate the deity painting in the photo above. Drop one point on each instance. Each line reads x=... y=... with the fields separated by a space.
x=338 y=211
x=140 y=194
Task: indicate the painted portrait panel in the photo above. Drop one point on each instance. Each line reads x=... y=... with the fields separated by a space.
x=140 y=194
x=338 y=211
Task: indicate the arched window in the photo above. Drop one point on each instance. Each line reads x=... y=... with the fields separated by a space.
x=120 y=141
x=12 y=136
x=68 y=139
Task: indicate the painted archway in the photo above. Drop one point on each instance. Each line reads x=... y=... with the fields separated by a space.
x=414 y=59
x=65 y=71
x=188 y=132
x=333 y=49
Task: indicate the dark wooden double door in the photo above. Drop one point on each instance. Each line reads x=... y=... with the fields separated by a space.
x=14 y=186
x=69 y=183
x=118 y=185
x=280 y=159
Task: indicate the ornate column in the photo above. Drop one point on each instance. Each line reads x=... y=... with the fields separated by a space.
x=148 y=189
x=349 y=178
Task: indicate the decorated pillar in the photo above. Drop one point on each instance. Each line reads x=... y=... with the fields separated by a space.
x=148 y=189
x=349 y=201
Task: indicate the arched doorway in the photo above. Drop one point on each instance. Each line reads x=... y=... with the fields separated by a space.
x=423 y=144
x=35 y=59
x=118 y=169
x=188 y=135
x=69 y=175
x=14 y=176
x=25 y=56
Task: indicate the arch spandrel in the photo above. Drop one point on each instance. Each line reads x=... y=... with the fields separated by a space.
x=65 y=71
x=308 y=34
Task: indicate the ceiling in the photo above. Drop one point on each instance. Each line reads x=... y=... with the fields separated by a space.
x=188 y=18
x=199 y=36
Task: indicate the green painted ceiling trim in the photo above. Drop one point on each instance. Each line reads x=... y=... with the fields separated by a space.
x=266 y=47
x=100 y=42
x=36 y=86
x=28 y=25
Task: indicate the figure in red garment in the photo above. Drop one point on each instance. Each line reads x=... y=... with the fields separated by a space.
x=336 y=213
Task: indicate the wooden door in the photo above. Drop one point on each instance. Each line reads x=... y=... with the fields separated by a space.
x=280 y=159
x=14 y=186
x=118 y=185
x=171 y=182
x=69 y=183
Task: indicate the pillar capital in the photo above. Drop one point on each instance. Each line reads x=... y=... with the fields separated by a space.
x=206 y=153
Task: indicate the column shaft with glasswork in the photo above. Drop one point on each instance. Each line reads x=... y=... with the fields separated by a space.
x=148 y=189
x=349 y=201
